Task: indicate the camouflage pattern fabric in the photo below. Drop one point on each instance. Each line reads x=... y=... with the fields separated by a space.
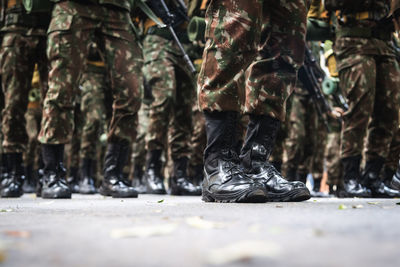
x=173 y=88
x=33 y=117
x=320 y=137
x=20 y=50
x=139 y=146
x=332 y=156
x=73 y=27
x=370 y=79
x=264 y=36
x=394 y=153
x=300 y=144
x=199 y=138
x=93 y=87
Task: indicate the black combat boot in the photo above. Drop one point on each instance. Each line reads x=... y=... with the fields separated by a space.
x=179 y=182
x=277 y=165
x=138 y=179
x=29 y=185
x=73 y=179
x=372 y=181
x=302 y=177
x=153 y=176
x=259 y=142
x=396 y=179
x=351 y=179
x=53 y=181
x=86 y=184
x=3 y=167
x=114 y=183
x=11 y=185
x=224 y=179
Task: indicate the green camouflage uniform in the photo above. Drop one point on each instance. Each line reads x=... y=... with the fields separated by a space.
x=139 y=146
x=265 y=37
x=173 y=88
x=370 y=79
x=73 y=27
x=93 y=86
x=23 y=45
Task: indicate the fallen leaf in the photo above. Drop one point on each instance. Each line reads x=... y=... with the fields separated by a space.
x=243 y=251
x=255 y=228
x=278 y=206
x=6 y=210
x=398 y=203
x=342 y=207
x=318 y=232
x=144 y=231
x=315 y=200
x=160 y=201
x=373 y=203
x=357 y=206
x=200 y=223
x=3 y=254
x=19 y=234
x=122 y=200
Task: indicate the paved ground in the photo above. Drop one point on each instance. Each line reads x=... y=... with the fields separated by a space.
x=183 y=231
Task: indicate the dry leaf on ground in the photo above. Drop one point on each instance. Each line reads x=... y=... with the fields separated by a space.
x=144 y=231
x=200 y=223
x=243 y=251
x=20 y=234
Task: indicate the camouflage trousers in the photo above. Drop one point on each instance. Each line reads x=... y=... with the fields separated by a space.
x=332 y=155
x=392 y=160
x=170 y=116
x=199 y=139
x=266 y=37
x=300 y=144
x=139 y=146
x=371 y=87
x=19 y=53
x=72 y=28
x=33 y=117
x=93 y=107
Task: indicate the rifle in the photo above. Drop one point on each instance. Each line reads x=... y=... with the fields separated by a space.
x=308 y=75
x=169 y=21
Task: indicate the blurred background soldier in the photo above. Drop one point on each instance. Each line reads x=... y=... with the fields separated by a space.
x=23 y=45
x=173 y=87
x=73 y=27
x=370 y=79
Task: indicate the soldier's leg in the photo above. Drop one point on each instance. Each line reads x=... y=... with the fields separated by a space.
x=74 y=147
x=392 y=160
x=124 y=62
x=17 y=66
x=93 y=84
x=383 y=125
x=332 y=155
x=139 y=150
x=358 y=82
x=180 y=133
x=66 y=52
x=270 y=79
x=160 y=75
x=198 y=143
x=295 y=143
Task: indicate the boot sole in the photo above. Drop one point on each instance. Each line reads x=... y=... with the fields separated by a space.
x=11 y=195
x=296 y=195
x=395 y=183
x=66 y=196
x=254 y=196
x=113 y=195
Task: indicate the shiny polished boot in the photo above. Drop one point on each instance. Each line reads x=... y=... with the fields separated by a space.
x=154 y=178
x=11 y=185
x=224 y=179
x=372 y=181
x=29 y=185
x=137 y=180
x=86 y=184
x=259 y=142
x=114 y=184
x=179 y=182
x=53 y=184
x=395 y=183
x=351 y=179
x=73 y=179
x=3 y=167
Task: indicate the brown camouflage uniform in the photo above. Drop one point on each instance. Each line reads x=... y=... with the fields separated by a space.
x=23 y=45
x=73 y=27
x=370 y=79
x=268 y=38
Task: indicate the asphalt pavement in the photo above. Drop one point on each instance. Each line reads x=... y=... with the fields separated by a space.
x=155 y=230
